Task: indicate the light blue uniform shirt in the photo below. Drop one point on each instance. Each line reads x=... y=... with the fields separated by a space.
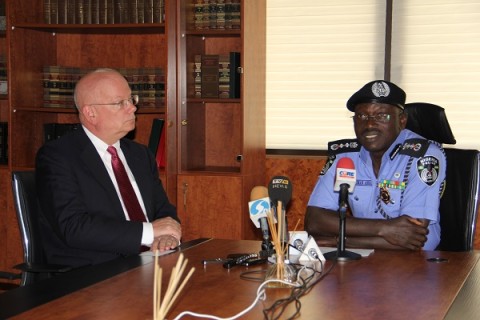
x=414 y=183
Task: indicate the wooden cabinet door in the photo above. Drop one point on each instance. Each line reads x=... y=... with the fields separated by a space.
x=210 y=206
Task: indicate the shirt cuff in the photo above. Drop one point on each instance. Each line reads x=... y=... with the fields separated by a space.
x=147 y=235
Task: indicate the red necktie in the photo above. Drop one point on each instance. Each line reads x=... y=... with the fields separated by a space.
x=129 y=197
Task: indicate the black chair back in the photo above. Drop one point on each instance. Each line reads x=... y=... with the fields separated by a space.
x=35 y=266
x=459 y=203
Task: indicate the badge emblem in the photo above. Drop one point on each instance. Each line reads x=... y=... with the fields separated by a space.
x=385 y=195
x=428 y=168
x=380 y=89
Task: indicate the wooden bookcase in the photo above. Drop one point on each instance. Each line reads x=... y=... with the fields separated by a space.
x=215 y=148
x=32 y=44
x=221 y=141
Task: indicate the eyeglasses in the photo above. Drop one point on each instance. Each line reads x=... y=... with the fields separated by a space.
x=122 y=103
x=379 y=117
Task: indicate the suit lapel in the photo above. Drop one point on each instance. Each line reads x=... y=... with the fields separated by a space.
x=94 y=163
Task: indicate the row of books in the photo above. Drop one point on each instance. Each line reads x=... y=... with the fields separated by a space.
x=3 y=142
x=103 y=11
x=59 y=84
x=3 y=74
x=217 y=75
x=216 y=14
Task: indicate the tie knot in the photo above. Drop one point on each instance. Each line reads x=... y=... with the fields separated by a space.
x=112 y=151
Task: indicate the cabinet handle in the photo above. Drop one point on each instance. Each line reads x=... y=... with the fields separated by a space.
x=184 y=122
x=185 y=189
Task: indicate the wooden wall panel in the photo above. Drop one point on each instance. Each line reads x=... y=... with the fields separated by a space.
x=303 y=173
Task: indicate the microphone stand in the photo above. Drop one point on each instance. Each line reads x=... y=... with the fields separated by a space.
x=341 y=254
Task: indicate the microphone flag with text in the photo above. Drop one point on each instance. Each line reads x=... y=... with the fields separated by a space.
x=345 y=179
x=258 y=208
x=280 y=192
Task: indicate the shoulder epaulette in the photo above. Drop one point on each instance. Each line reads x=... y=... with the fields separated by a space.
x=342 y=146
x=415 y=147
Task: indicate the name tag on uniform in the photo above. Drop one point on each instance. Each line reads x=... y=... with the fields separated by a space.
x=363 y=183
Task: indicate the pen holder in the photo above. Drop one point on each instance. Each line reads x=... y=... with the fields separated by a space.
x=281 y=271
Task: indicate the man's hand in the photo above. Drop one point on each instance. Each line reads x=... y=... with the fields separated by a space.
x=167 y=227
x=164 y=242
x=405 y=231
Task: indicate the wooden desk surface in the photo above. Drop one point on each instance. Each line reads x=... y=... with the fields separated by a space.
x=385 y=285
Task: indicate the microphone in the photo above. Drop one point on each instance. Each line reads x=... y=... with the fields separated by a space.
x=258 y=207
x=280 y=191
x=345 y=179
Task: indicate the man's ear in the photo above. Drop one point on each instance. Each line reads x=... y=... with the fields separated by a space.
x=89 y=113
x=403 y=117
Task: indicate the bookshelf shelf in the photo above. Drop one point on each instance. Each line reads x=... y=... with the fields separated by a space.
x=128 y=28
x=213 y=33
x=221 y=140
x=212 y=100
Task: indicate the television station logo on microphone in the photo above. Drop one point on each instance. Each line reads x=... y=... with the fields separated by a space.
x=259 y=206
x=280 y=182
x=258 y=210
x=346 y=174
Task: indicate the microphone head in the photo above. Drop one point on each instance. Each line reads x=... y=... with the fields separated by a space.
x=258 y=192
x=345 y=174
x=280 y=189
x=346 y=163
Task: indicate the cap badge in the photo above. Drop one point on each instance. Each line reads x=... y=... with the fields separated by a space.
x=380 y=89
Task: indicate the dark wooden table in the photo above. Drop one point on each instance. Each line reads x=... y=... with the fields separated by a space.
x=385 y=285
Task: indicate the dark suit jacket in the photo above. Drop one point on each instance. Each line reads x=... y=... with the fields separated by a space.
x=82 y=218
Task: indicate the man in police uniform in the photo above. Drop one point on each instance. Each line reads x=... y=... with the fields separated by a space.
x=400 y=179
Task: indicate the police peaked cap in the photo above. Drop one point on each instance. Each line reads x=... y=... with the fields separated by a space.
x=378 y=91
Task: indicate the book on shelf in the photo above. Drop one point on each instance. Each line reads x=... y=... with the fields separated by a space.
x=158 y=11
x=217 y=76
x=155 y=133
x=156 y=142
x=79 y=12
x=235 y=75
x=58 y=86
x=235 y=14
x=197 y=75
x=46 y=11
x=224 y=76
x=3 y=142
x=62 y=11
x=94 y=11
x=220 y=17
x=198 y=14
x=53 y=11
x=216 y=14
x=210 y=71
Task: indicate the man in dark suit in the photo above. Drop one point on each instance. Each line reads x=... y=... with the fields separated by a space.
x=85 y=216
